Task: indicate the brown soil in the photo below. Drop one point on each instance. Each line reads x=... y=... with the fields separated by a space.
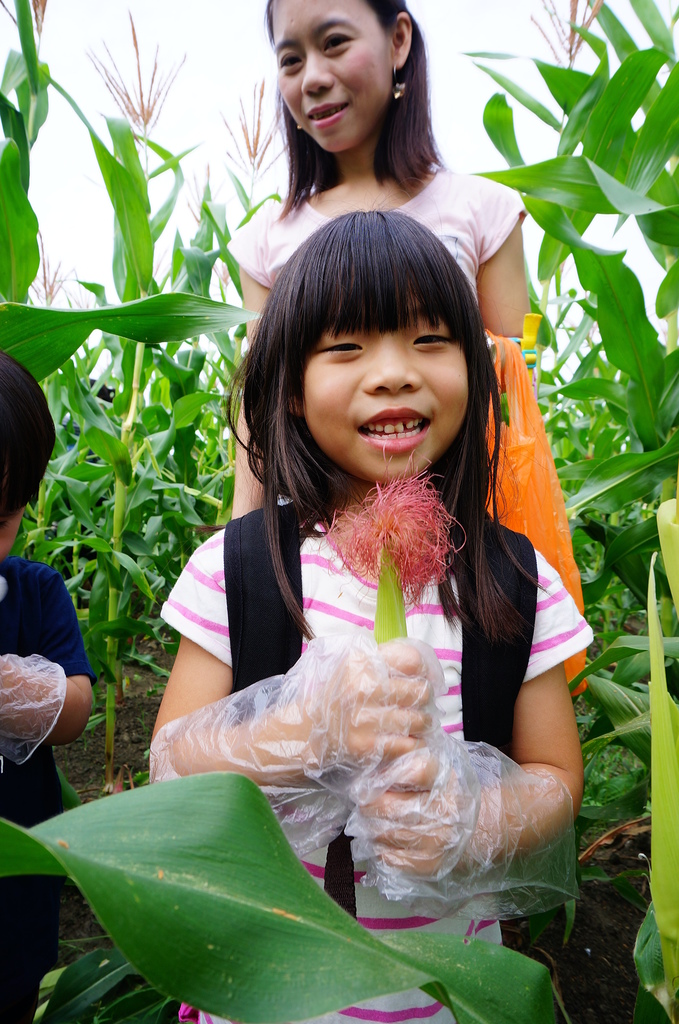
x=593 y=972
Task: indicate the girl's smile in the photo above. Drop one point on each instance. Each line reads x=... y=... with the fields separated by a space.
x=386 y=405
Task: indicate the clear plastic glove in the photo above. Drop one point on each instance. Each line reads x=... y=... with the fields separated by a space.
x=32 y=694
x=518 y=859
x=344 y=708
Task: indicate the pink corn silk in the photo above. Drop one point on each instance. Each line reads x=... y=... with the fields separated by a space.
x=406 y=518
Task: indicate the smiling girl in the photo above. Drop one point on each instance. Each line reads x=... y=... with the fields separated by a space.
x=369 y=364
x=354 y=104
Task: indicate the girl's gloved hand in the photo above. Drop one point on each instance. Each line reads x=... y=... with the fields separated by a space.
x=518 y=857
x=307 y=738
x=366 y=705
x=32 y=694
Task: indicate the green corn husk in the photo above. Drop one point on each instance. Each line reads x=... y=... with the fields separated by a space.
x=665 y=812
x=668 y=531
x=390 y=613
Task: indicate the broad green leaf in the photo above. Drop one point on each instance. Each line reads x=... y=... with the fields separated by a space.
x=199 y=266
x=657 y=138
x=667 y=299
x=274 y=197
x=498 y=120
x=129 y=207
x=605 y=135
x=112 y=450
x=125 y=149
x=621 y=704
x=14 y=72
x=630 y=805
x=641 y=537
x=83 y=983
x=19 y=255
x=136 y=573
x=661 y=226
x=216 y=212
x=647 y=953
x=623 y=44
x=576 y=125
x=647 y=1009
x=566 y=180
x=44 y=338
x=187 y=407
x=553 y=219
x=25 y=25
x=642 y=416
x=215 y=909
x=171 y=163
x=635 y=735
x=654 y=23
x=524 y=98
x=14 y=127
x=590 y=388
x=624 y=199
x=552 y=254
x=627 y=478
x=630 y=340
x=34 y=106
x=240 y=191
x=565 y=84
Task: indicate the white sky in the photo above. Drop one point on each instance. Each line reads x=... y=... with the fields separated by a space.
x=227 y=52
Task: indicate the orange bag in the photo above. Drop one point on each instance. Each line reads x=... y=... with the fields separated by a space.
x=530 y=498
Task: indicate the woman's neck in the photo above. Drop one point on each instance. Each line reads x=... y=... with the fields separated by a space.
x=360 y=190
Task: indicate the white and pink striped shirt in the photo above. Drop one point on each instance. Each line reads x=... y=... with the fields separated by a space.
x=337 y=602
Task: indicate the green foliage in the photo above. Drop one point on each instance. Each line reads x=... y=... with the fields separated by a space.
x=217 y=910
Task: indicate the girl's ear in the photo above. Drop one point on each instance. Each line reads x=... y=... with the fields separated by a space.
x=401 y=39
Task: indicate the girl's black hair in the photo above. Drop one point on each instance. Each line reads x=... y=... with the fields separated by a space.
x=406 y=149
x=26 y=435
x=373 y=272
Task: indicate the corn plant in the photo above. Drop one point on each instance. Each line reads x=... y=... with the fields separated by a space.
x=140 y=460
x=610 y=393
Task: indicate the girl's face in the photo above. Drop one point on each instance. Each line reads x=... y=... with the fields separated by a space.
x=335 y=64
x=383 y=406
x=9 y=527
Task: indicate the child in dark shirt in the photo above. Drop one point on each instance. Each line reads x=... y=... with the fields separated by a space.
x=45 y=692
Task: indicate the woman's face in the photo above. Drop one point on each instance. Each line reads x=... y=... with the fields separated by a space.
x=335 y=63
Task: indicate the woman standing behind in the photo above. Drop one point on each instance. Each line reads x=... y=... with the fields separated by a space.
x=353 y=94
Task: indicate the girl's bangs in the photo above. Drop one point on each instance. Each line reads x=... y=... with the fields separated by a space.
x=370 y=275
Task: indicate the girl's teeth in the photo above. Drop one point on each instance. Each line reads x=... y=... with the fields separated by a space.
x=393 y=428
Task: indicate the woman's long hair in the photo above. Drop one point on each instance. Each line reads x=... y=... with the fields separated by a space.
x=26 y=435
x=373 y=272
x=406 y=150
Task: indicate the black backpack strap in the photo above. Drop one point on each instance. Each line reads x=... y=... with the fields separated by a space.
x=492 y=674
x=264 y=639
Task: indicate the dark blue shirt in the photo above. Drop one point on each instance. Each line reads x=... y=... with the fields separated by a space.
x=36 y=617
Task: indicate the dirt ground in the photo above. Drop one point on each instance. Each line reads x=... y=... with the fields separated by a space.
x=594 y=972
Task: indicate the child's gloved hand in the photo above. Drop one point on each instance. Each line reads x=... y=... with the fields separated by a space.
x=517 y=858
x=366 y=704
x=32 y=694
x=418 y=828
x=344 y=709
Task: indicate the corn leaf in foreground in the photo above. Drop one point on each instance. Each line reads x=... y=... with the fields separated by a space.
x=199 y=889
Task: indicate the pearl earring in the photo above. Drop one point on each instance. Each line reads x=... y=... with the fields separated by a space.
x=398 y=88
